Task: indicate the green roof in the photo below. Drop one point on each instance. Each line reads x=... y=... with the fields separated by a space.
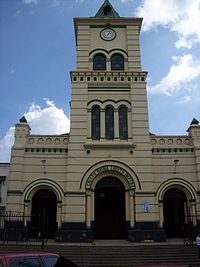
x=23 y=120
x=194 y=121
x=107 y=11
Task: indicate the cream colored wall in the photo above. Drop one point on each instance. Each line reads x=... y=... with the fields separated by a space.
x=141 y=161
x=68 y=171
x=118 y=43
x=127 y=39
x=26 y=167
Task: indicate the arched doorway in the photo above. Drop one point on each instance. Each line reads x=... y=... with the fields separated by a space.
x=109 y=209
x=43 y=215
x=174 y=205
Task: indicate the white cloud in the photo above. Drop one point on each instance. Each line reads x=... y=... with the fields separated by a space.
x=31 y=12
x=62 y=3
x=27 y=2
x=182 y=17
x=181 y=73
x=124 y=1
x=157 y=12
x=5 y=145
x=184 y=99
x=47 y=120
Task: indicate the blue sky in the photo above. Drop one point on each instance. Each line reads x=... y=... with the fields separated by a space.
x=37 y=52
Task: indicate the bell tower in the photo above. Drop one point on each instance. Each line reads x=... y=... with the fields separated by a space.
x=108 y=69
x=109 y=116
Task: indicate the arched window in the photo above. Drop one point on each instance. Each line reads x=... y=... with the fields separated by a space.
x=123 y=123
x=95 y=123
x=117 y=62
x=109 y=123
x=107 y=10
x=99 y=62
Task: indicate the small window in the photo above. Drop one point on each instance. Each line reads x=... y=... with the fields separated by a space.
x=107 y=11
x=99 y=62
x=109 y=123
x=117 y=62
x=95 y=123
x=123 y=123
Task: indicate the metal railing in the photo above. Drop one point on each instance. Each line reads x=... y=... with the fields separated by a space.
x=17 y=227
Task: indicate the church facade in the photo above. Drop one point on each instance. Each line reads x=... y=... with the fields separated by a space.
x=109 y=178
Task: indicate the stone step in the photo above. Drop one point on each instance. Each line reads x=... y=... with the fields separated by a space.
x=87 y=255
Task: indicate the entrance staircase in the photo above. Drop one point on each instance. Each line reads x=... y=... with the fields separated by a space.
x=118 y=254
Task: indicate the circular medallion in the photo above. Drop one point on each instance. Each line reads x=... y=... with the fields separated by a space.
x=108 y=34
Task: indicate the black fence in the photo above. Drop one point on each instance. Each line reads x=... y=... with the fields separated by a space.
x=19 y=228
x=191 y=230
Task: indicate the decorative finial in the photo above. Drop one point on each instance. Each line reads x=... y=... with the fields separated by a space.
x=23 y=120
x=194 y=122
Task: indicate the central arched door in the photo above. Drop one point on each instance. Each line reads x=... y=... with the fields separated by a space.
x=174 y=205
x=43 y=215
x=109 y=209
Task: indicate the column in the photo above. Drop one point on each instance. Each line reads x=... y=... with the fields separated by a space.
x=26 y=213
x=59 y=209
x=88 y=209
x=89 y=131
x=161 y=219
x=132 y=219
x=194 y=214
x=102 y=123
x=116 y=123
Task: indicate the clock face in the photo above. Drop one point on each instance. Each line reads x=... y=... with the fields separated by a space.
x=108 y=34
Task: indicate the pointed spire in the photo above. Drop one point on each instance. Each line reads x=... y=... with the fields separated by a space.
x=23 y=120
x=194 y=122
x=107 y=11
